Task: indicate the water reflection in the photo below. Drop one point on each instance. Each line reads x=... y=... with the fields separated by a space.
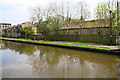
x=54 y=62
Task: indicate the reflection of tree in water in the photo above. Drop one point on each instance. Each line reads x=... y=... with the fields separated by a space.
x=118 y=67
x=1 y=44
x=37 y=62
x=58 y=62
x=20 y=47
x=44 y=57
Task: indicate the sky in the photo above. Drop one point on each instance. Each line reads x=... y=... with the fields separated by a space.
x=18 y=11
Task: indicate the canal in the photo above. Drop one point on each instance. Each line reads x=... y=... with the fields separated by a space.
x=20 y=60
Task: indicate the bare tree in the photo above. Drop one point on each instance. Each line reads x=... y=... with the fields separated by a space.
x=37 y=13
x=82 y=12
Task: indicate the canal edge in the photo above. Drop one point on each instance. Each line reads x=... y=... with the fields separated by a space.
x=114 y=52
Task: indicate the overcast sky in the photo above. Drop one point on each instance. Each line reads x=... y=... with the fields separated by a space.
x=18 y=11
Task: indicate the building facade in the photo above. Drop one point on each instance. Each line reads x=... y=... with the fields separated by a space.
x=4 y=26
x=14 y=31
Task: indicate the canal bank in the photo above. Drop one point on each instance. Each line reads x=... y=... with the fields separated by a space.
x=71 y=45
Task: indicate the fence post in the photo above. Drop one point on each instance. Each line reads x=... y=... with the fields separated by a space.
x=110 y=28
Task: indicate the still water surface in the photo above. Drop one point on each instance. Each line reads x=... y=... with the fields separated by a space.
x=20 y=60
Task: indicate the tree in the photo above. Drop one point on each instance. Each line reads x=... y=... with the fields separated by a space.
x=115 y=22
x=83 y=10
x=1 y=32
x=54 y=25
x=37 y=15
x=107 y=15
x=27 y=31
x=42 y=28
x=102 y=14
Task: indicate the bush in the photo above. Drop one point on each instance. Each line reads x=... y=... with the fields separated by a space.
x=27 y=31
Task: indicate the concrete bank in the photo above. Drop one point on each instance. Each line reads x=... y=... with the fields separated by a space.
x=71 y=45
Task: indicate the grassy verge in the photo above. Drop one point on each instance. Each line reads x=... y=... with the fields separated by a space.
x=85 y=43
x=66 y=41
x=62 y=44
x=83 y=46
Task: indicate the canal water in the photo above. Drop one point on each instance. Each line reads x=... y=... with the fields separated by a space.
x=20 y=60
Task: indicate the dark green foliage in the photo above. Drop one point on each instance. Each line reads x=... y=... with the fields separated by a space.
x=115 y=23
x=42 y=28
x=1 y=32
x=50 y=26
x=27 y=31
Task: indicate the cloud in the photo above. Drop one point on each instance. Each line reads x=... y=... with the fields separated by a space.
x=18 y=11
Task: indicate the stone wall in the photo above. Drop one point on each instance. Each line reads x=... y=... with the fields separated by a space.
x=92 y=35
x=85 y=31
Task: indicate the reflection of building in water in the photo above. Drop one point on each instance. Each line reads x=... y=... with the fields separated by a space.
x=26 y=49
x=51 y=62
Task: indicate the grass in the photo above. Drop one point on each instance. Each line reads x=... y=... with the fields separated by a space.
x=66 y=41
x=84 y=42
x=62 y=44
